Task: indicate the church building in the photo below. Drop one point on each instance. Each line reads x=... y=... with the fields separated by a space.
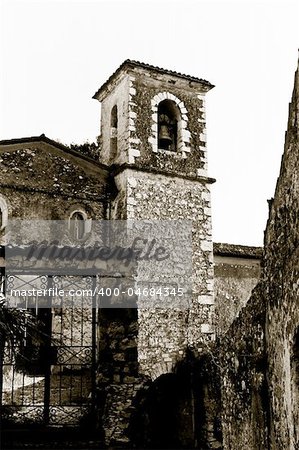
x=220 y=374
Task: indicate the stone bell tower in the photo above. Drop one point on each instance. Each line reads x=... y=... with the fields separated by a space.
x=153 y=132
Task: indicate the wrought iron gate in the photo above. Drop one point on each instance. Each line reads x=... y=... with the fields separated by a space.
x=51 y=381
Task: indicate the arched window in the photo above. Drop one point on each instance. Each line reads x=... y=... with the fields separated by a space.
x=3 y=213
x=113 y=132
x=77 y=225
x=168 y=118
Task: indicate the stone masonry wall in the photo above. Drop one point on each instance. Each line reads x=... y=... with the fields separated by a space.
x=260 y=350
x=235 y=278
x=40 y=165
x=39 y=181
x=155 y=184
x=119 y=96
x=146 y=90
x=165 y=334
x=245 y=403
x=281 y=275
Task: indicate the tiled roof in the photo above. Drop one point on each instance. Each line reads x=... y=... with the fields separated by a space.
x=132 y=63
x=241 y=251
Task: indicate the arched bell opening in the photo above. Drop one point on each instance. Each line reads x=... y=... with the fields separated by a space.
x=168 y=125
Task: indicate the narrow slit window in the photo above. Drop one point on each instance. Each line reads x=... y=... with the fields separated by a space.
x=113 y=132
x=3 y=214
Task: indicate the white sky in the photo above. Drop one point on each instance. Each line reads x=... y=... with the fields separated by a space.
x=55 y=55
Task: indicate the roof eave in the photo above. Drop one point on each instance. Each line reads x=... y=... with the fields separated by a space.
x=133 y=64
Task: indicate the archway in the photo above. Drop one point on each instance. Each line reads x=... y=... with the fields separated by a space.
x=165 y=415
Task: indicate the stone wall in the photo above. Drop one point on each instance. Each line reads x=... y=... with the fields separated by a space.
x=154 y=184
x=41 y=181
x=137 y=89
x=164 y=336
x=119 y=97
x=118 y=380
x=236 y=273
x=281 y=275
x=191 y=159
x=260 y=382
x=245 y=403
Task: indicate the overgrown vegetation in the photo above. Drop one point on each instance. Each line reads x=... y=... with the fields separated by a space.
x=13 y=323
x=88 y=149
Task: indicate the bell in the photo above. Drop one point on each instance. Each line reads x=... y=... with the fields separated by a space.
x=164 y=136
